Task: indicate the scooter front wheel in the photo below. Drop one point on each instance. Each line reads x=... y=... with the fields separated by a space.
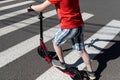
x=44 y=54
x=41 y=52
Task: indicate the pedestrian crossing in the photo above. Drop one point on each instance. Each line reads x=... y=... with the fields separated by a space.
x=107 y=32
x=16 y=5
x=24 y=23
x=5 y=1
x=12 y=14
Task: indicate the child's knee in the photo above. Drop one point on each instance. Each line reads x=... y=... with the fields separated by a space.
x=82 y=52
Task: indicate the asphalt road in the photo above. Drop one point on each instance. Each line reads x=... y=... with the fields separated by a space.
x=19 y=39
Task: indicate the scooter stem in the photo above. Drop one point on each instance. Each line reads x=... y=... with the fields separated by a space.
x=41 y=25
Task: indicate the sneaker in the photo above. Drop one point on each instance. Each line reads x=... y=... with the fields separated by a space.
x=58 y=64
x=91 y=75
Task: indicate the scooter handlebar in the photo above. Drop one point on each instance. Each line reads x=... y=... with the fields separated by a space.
x=30 y=9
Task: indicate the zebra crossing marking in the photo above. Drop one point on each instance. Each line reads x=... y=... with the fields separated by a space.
x=24 y=23
x=5 y=1
x=12 y=14
x=24 y=47
x=15 y=5
x=104 y=33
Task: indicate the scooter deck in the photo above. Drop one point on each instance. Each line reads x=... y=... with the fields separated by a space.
x=74 y=73
x=47 y=55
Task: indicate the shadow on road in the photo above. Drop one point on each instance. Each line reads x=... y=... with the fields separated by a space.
x=102 y=58
x=106 y=55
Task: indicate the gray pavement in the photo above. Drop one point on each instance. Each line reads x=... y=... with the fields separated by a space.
x=30 y=65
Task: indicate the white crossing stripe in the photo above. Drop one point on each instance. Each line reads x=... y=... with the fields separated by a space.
x=108 y=32
x=16 y=5
x=24 y=47
x=5 y=1
x=12 y=14
x=24 y=23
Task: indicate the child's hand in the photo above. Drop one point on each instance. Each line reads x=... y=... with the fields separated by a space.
x=30 y=9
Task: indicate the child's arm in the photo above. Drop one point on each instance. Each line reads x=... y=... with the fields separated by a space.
x=41 y=7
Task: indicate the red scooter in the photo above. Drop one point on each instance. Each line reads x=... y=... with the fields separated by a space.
x=42 y=49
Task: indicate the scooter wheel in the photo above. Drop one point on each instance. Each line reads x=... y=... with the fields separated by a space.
x=41 y=52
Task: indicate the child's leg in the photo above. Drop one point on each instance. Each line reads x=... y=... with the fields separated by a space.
x=86 y=60
x=60 y=38
x=78 y=44
x=59 y=52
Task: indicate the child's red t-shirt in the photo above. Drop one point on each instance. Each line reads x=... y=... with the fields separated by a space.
x=68 y=13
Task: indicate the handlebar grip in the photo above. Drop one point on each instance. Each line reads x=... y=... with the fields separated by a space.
x=30 y=9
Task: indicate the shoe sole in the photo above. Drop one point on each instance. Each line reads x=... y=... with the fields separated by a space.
x=57 y=66
x=91 y=77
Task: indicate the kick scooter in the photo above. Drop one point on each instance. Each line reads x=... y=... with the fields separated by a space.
x=73 y=72
x=42 y=50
